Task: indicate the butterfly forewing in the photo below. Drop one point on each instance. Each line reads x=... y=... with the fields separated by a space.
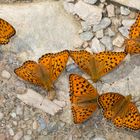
x=6 y=31
x=56 y=62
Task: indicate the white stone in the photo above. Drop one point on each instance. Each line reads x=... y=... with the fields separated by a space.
x=107 y=42
x=99 y=34
x=89 y=13
x=127 y=22
x=90 y=1
x=27 y=137
x=124 y=11
x=13 y=115
x=53 y=30
x=1 y=116
x=35 y=125
x=124 y=31
x=118 y=41
x=110 y=32
x=69 y=7
x=99 y=138
x=19 y=110
x=105 y=22
x=86 y=36
x=116 y=22
x=5 y=74
x=18 y=135
x=85 y=26
x=110 y=10
x=34 y=99
x=96 y=46
x=11 y=131
x=102 y=1
x=130 y=3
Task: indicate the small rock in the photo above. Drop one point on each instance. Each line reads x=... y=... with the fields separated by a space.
x=11 y=131
x=124 y=11
x=89 y=13
x=13 y=115
x=99 y=138
x=19 y=110
x=27 y=137
x=5 y=74
x=124 y=31
x=106 y=40
x=99 y=34
x=110 y=10
x=85 y=26
x=96 y=46
x=29 y=132
x=127 y=22
x=116 y=22
x=110 y=32
x=118 y=41
x=102 y=1
x=90 y=1
x=18 y=135
x=86 y=36
x=42 y=124
x=35 y=125
x=1 y=116
x=69 y=7
x=105 y=22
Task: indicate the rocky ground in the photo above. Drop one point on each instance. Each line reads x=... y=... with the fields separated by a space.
x=51 y=26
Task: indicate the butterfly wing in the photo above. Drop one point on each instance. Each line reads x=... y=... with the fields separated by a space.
x=55 y=63
x=109 y=60
x=107 y=101
x=82 y=59
x=132 y=46
x=132 y=118
x=83 y=97
x=28 y=72
x=135 y=29
x=6 y=31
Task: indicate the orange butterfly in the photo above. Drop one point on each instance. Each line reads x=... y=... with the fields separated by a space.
x=120 y=110
x=6 y=31
x=46 y=71
x=83 y=97
x=97 y=65
x=132 y=45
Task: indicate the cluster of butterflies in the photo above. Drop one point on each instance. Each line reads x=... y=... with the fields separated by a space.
x=83 y=96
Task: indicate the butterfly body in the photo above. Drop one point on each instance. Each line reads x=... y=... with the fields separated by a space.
x=97 y=65
x=6 y=31
x=83 y=97
x=120 y=110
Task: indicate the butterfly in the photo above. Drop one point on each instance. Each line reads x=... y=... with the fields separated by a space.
x=132 y=45
x=6 y=31
x=46 y=71
x=97 y=65
x=120 y=110
x=83 y=97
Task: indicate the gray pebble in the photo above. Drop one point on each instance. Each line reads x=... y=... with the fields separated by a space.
x=124 y=11
x=86 y=36
x=105 y=22
x=90 y=1
x=124 y=31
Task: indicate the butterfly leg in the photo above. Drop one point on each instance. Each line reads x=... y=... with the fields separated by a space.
x=4 y=41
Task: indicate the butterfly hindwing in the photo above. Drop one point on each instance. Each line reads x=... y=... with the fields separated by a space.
x=27 y=72
x=83 y=97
